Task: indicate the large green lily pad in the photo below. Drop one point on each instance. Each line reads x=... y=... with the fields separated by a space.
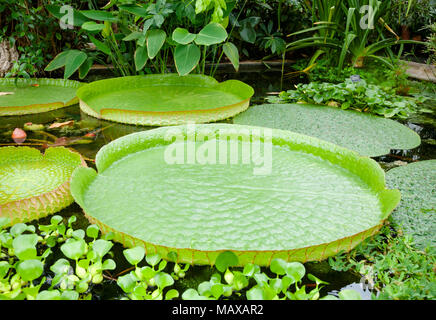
x=29 y=96
x=367 y=134
x=33 y=185
x=169 y=99
x=310 y=201
x=416 y=214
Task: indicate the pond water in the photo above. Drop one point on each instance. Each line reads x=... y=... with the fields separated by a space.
x=264 y=82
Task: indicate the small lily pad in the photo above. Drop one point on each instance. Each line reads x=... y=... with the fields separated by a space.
x=367 y=134
x=416 y=214
x=33 y=185
x=29 y=96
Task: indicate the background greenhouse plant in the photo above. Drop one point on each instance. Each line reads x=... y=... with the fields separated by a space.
x=145 y=37
x=341 y=29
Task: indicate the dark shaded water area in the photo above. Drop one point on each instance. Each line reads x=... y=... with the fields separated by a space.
x=265 y=82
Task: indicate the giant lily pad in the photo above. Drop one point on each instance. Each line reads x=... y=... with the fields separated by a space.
x=156 y=100
x=29 y=96
x=33 y=185
x=416 y=214
x=198 y=198
x=367 y=134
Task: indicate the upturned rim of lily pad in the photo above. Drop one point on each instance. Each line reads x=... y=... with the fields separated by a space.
x=365 y=168
x=39 y=107
x=162 y=118
x=41 y=205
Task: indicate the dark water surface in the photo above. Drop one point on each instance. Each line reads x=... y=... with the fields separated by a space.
x=264 y=82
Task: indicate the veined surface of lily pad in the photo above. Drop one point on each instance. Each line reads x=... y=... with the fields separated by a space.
x=416 y=214
x=366 y=134
x=29 y=96
x=169 y=99
x=33 y=185
x=316 y=199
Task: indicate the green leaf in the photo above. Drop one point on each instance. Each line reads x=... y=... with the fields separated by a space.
x=25 y=246
x=49 y=295
x=225 y=260
x=153 y=259
x=295 y=270
x=171 y=294
x=163 y=280
x=18 y=229
x=92 y=231
x=132 y=36
x=127 y=282
x=141 y=57
x=3 y=222
x=74 y=249
x=192 y=294
x=61 y=266
x=134 y=255
x=99 y=15
x=4 y=268
x=101 y=247
x=92 y=26
x=231 y=51
x=349 y=294
x=30 y=269
x=183 y=36
x=74 y=60
x=155 y=40
x=255 y=293
x=109 y=264
x=100 y=45
x=278 y=266
x=186 y=58
x=213 y=33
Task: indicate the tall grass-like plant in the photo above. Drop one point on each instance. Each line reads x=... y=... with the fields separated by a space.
x=352 y=29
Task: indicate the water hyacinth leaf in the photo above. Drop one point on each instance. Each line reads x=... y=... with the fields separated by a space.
x=61 y=266
x=74 y=249
x=153 y=259
x=366 y=134
x=127 y=282
x=183 y=36
x=295 y=270
x=226 y=260
x=4 y=269
x=417 y=209
x=141 y=57
x=27 y=194
x=349 y=294
x=109 y=264
x=30 y=269
x=134 y=255
x=279 y=266
x=163 y=280
x=165 y=99
x=25 y=246
x=92 y=231
x=171 y=294
x=155 y=40
x=192 y=294
x=49 y=295
x=186 y=58
x=213 y=33
x=255 y=293
x=231 y=51
x=322 y=178
x=101 y=247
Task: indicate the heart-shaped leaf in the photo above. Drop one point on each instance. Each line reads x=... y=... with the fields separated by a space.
x=186 y=58
x=155 y=40
x=213 y=33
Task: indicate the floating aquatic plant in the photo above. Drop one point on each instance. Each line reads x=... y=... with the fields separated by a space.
x=367 y=134
x=29 y=96
x=168 y=99
x=33 y=185
x=315 y=200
